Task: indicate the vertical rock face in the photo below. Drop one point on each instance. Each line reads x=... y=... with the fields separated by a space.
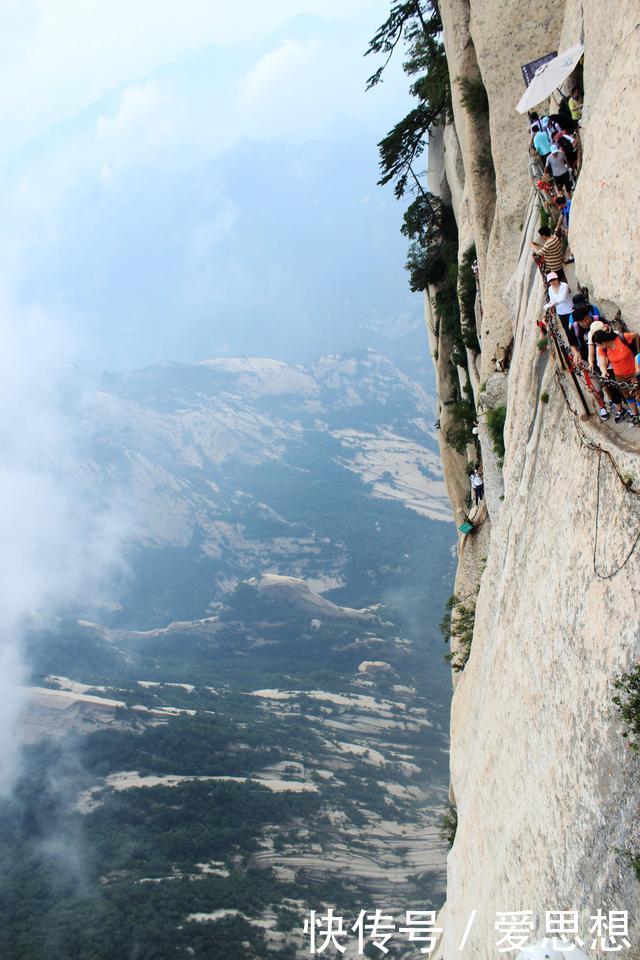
x=605 y=231
x=546 y=792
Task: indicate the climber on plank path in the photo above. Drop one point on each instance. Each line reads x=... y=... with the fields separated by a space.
x=605 y=358
x=560 y=298
x=551 y=250
x=477 y=483
x=617 y=361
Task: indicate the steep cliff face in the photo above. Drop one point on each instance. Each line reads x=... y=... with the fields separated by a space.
x=545 y=789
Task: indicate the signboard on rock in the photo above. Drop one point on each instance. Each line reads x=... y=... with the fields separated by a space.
x=529 y=69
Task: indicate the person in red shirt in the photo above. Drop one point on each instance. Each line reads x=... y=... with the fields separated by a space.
x=618 y=350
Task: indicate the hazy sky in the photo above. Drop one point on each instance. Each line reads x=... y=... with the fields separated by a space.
x=185 y=180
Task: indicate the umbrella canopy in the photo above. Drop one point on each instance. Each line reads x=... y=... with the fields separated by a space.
x=549 y=76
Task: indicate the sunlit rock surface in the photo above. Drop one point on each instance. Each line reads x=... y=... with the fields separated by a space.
x=545 y=788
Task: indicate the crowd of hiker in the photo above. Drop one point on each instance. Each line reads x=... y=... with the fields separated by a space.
x=555 y=141
x=604 y=355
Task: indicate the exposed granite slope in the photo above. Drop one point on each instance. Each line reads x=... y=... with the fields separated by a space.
x=546 y=792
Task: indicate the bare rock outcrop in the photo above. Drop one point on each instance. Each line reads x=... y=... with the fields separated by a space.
x=545 y=787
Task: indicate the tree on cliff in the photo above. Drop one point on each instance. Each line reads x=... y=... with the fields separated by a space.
x=429 y=223
x=418 y=27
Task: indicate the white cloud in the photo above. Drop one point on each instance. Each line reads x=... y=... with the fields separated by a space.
x=59 y=56
x=57 y=548
x=295 y=91
x=145 y=121
x=292 y=91
x=282 y=67
x=138 y=104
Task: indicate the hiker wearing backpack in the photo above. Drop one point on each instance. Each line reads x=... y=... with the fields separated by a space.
x=589 y=325
x=579 y=333
x=618 y=351
x=582 y=321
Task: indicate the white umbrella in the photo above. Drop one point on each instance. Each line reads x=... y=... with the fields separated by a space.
x=549 y=76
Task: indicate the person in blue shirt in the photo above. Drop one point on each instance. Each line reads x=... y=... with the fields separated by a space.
x=564 y=206
x=579 y=335
x=541 y=141
x=580 y=321
x=579 y=300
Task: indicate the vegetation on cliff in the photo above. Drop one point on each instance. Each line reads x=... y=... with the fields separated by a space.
x=449 y=823
x=474 y=96
x=467 y=299
x=457 y=626
x=627 y=700
x=495 y=424
x=429 y=222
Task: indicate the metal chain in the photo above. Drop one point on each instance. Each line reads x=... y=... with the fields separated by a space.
x=579 y=369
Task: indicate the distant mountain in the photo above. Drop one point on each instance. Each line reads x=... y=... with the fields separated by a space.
x=234 y=468
x=256 y=726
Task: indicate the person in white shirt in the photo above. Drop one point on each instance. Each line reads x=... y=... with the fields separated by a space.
x=560 y=298
x=477 y=484
x=558 y=167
